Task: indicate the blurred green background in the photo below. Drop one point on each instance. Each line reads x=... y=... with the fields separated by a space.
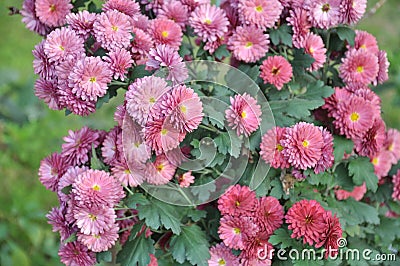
x=29 y=131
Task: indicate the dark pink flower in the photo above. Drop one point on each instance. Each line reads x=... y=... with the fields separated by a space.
x=53 y=12
x=260 y=13
x=396 y=186
x=314 y=46
x=276 y=70
x=141 y=44
x=333 y=233
x=237 y=200
x=392 y=142
x=46 y=90
x=373 y=140
x=384 y=64
x=56 y=218
x=382 y=162
x=51 y=169
x=41 y=64
x=176 y=11
x=234 y=231
x=31 y=20
x=75 y=253
x=301 y=25
x=160 y=172
x=359 y=67
x=111 y=149
x=74 y=103
x=82 y=23
x=271 y=148
x=94 y=220
x=270 y=213
x=327 y=159
x=119 y=62
x=186 y=179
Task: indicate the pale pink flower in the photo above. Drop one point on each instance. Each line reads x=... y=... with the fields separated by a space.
x=382 y=162
x=141 y=44
x=41 y=64
x=82 y=23
x=128 y=7
x=276 y=70
x=31 y=20
x=248 y=44
x=186 y=179
x=244 y=114
x=392 y=142
x=359 y=67
x=366 y=41
x=327 y=159
x=119 y=62
x=260 y=13
x=314 y=46
x=160 y=172
x=357 y=193
x=176 y=11
x=94 y=220
x=301 y=25
x=325 y=13
x=271 y=148
x=102 y=241
x=67 y=179
x=122 y=172
x=53 y=12
x=222 y=255
x=74 y=103
x=352 y=10
x=234 y=231
x=383 y=64
x=111 y=147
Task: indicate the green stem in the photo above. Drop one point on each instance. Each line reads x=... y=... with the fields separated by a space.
x=129 y=191
x=210 y=128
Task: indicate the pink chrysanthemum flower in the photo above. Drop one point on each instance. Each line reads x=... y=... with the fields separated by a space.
x=260 y=13
x=89 y=78
x=314 y=46
x=122 y=172
x=270 y=213
x=258 y=251
x=237 y=200
x=276 y=70
x=31 y=20
x=327 y=159
x=248 y=44
x=141 y=22
x=102 y=241
x=75 y=253
x=41 y=64
x=119 y=61
x=176 y=11
x=153 y=5
x=113 y=30
x=396 y=186
x=162 y=136
x=160 y=172
x=74 y=103
x=371 y=97
x=164 y=56
x=94 y=220
x=111 y=147
x=352 y=10
x=97 y=188
x=209 y=22
x=333 y=232
x=359 y=67
x=182 y=108
x=357 y=193
x=62 y=43
x=306 y=219
x=324 y=14
x=166 y=31
x=51 y=169
x=366 y=42
x=244 y=114
x=82 y=23
x=271 y=148
x=119 y=114
x=46 y=90
x=335 y=100
x=354 y=118
x=56 y=218
x=141 y=44
x=382 y=162
x=128 y=7
x=392 y=142
x=373 y=140
x=78 y=144
x=222 y=255
x=234 y=231
x=301 y=25
x=142 y=95
x=383 y=64
x=186 y=179
x=67 y=179
x=302 y=145
x=53 y=12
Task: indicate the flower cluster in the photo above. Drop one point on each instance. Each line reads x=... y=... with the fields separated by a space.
x=301 y=146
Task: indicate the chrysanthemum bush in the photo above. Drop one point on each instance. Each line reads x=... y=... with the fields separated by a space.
x=274 y=141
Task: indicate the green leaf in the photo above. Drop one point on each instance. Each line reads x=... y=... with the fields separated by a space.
x=92 y=8
x=158 y=213
x=301 y=61
x=191 y=245
x=136 y=252
x=341 y=145
x=281 y=35
x=196 y=214
x=252 y=71
x=228 y=143
x=66 y=190
x=136 y=229
x=342 y=177
x=139 y=72
x=132 y=201
x=388 y=230
x=346 y=34
x=362 y=171
x=362 y=211
x=95 y=162
x=277 y=190
x=282 y=236
x=79 y=3
x=70 y=239
x=104 y=256
x=221 y=52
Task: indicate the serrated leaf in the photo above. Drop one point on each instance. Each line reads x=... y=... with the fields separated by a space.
x=157 y=213
x=301 y=61
x=66 y=190
x=95 y=162
x=136 y=252
x=281 y=35
x=362 y=171
x=139 y=72
x=362 y=211
x=196 y=214
x=341 y=145
x=191 y=245
x=342 y=178
x=104 y=256
x=346 y=34
x=70 y=239
x=228 y=143
x=132 y=201
x=221 y=52
x=277 y=190
x=282 y=236
x=136 y=229
x=252 y=71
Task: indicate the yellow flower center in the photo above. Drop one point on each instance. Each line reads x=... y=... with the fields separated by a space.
x=207 y=21
x=259 y=9
x=183 y=109
x=375 y=161
x=96 y=236
x=326 y=7
x=360 y=69
x=164 y=131
x=249 y=44
x=305 y=143
x=61 y=48
x=221 y=262
x=137 y=144
x=152 y=100
x=363 y=46
x=354 y=117
x=127 y=171
x=165 y=34
x=391 y=147
x=243 y=114
x=92 y=217
x=237 y=203
x=96 y=187
x=92 y=79
x=308 y=220
x=52 y=8
x=311 y=50
x=236 y=230
x=114 y=28
x=275 y=71
x=279 y=147
x=160 y=167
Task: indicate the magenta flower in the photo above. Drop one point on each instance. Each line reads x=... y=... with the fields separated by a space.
x=46 y=90
x=102 y=241
x=113 y=30
x=141 y=44
x=237 y=200
x=327 y=159
x=209 y=22
x=301 y=25
x=119 y=61
x=94 y=220
x=234 y=231
x=166 y=31
x=260 y=13
x=111 y=149
x=314 y=46
x=373 y=140
x=176 y=11
x=396 y=186
x=142 y=95
x=359 y=67
x=270 y=213
x=271 y=148
x=383 y=64
x=56 y=218
x=31 y=20
x=333 y=233
x=97 y=188
x=53 y=12
x=222 y=255
x=325 y=14
x=352 y=10
x=51 y=169
x=128 y=7
x=276 y=70
x=74 y=103
x=78 y=144
x=302 y=145
x=41 y=64
x=89 y=78
x=248 y=44
x=62 y=43
x=75 y=253
x=244 y=114
x=160 y=172
x=251 y=254
x=82 y=23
